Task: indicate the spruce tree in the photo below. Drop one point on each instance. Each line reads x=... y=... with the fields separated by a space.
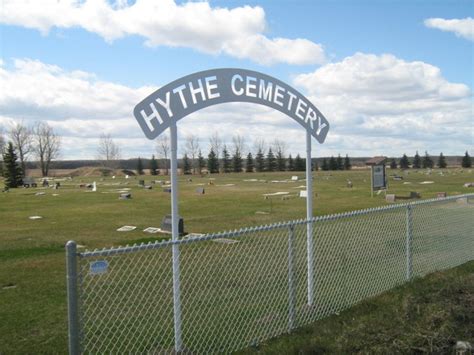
x=442 y=161
x=139 y=166
x=416 y=161
x=280 y=161
x=291 y=163
x=153 y=166
x=466 y=161
x=347 y=163
x=225 y=160
x=249 y=164
x=201 y=162
x=259 y=162
x=271 y=164
x=212 y=162
x=340 y=164
x=186 y=165
x=237 y=162
x=427 y=162
x=325 y=165
x=332 y=163
x=404 y=162
x=393 y=164
x=12 y=171
x=300 y=164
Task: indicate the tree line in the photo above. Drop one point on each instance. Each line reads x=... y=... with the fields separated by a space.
x=426 y=162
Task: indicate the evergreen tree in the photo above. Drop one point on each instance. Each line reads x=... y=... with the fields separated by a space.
x=291 y=163
x=466 y=161
x=280 y=161
x=393 y=164
x=325 y=165
x=416 y=161
x=427 y=162
x=347 y=163
x=259 y=161
x=201 y=162
x=237 y=162
x=340 y=165
x=300 y=164
x=249 y=164
x=442 y=161
x=139 y=166
x=153 y=166
x=186 y=165
x=212 y=162
x=332 y=163
x=271 y=164
x=225 y=160
x=12 y=171
x=404 y=162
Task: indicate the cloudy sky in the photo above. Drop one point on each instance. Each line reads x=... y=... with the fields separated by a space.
x=391 y=77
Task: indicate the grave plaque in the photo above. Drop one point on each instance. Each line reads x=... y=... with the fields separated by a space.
x=390 y=198
x=200 y=191
x=166 y=224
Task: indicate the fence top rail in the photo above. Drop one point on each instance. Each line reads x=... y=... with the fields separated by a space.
x=243 y=231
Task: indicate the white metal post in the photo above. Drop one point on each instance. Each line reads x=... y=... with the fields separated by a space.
x=309 y=216
x=174 y=236
x=72 y=298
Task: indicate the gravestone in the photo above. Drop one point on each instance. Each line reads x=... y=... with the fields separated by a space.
x=441 y=195
x=390 y=198
x=45 y=183
x=166 y=224
x=29 y=182
x=147 y=187
x=200 y=191
x=349 y=184
x=126 y=196
x=167 y=189
x=398 y=178
x=414 y=194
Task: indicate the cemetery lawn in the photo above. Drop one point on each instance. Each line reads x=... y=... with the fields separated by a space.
x=425 y=316
x=32 y=262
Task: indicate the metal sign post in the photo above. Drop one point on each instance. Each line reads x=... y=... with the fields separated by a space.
x=174 y=237
x=309 y=216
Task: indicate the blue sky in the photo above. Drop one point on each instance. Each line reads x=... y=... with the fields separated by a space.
x=389 y=80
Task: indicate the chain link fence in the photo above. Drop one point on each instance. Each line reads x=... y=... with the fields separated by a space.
x=240 y=288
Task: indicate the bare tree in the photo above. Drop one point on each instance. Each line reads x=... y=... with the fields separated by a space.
x=259 y=144
x=279 y=146
x=239 y=143
x=46 y=144
x=108 y=151
x=192 y=146
x=216 y=143
x=163 y=150
x=22 y=139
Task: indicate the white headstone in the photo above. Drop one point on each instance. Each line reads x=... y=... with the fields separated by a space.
x=304 y=193
x=126 y=176
x=94 y=187
x=294 y=178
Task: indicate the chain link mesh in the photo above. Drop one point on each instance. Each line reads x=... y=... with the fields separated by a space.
x=240 y=288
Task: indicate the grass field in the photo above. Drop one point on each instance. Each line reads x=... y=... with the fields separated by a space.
x=32 y=268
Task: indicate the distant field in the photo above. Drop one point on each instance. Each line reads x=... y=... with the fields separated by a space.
x=32 y=270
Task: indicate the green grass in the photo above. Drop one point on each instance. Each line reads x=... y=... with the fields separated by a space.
x=33 y=314
x=424 y=316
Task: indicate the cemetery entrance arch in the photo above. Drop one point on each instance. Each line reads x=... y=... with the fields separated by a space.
x=167 y=105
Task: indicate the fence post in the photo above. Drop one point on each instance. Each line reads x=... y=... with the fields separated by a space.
x=309 y=217
x=408 y=243
x=291 y=279
x=72 y=303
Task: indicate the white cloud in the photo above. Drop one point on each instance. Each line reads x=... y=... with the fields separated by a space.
x=238 y=32
x=461 y=27
x=385 y=99
x=375 y=104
